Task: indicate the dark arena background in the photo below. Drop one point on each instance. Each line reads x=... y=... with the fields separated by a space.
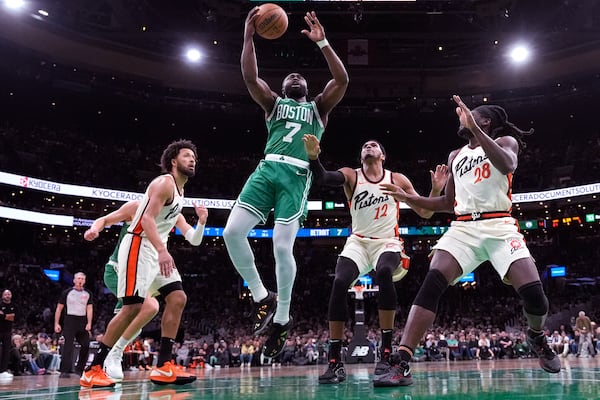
x=91 y=91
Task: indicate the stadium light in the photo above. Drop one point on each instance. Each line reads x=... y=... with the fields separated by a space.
x=193 y=54
x=14 y=4
x=519 y=53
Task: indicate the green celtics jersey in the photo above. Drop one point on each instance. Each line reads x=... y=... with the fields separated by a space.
x=115 y=254
x=287 y=123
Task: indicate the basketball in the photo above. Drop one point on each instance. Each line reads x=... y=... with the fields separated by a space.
x=271 y=22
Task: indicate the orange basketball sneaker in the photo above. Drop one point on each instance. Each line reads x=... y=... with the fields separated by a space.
x=95 y=377
x=170 y=374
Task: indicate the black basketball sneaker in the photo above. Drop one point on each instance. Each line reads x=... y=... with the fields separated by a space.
x=335 y=373
x=263 y=312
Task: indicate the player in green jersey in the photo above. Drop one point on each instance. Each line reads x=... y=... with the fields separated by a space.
x=124 y=214
x=282 y=180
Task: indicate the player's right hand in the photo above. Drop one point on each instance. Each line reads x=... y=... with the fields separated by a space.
x=312 y=146
x=249 y=28
x=166 y=263
x=57 y=328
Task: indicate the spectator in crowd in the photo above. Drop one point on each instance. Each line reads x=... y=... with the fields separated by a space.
x=30 y=352
x=7 y=317
x=45 y=357
x=234 y=353
x=16 y=360
x=584 y=325
x=506 y=345
x=247 y=353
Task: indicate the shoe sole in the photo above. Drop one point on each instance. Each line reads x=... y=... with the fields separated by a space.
x=177 y=381
x=96 y=386
x=331 y=382
x=552 y=371
x=391 y=384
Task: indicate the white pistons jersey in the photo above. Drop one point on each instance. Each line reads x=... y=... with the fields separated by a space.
x=166 y=218
x=374 y=214
x=479 y=186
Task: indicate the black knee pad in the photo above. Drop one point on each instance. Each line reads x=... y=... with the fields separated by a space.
x=534 y=299
x=170 y=288
x=431 y=291
x=346 y=271
x=386 y=265
x=127 y=301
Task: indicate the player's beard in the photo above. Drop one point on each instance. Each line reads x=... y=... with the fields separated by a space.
x=186 y=171
x=296 y=92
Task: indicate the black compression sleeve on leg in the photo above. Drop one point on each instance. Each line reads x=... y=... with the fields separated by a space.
x=324 y=177
x=534 y=299
x=433 y=287
x=386 y=265
x=346 y=272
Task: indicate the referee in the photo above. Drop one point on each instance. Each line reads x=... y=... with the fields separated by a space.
x=78 y=312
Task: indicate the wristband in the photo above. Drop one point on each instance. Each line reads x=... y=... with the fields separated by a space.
x=322 y=43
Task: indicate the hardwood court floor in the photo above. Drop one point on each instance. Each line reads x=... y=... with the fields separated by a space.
x=464 y=380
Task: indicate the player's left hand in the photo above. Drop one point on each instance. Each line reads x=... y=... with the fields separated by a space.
x=465 y=116
x=439 y=177
x=201 y=212
x=316 y=32
x=395 y=191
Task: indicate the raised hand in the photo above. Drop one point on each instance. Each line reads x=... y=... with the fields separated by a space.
x=249 y=28
x=201 y=212
x=312 y=146
x=439 y=177
x=316 y=32
x=465 y=116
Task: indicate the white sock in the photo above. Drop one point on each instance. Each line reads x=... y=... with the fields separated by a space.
x=284 y=236
x=119 y=347
x=235 y=235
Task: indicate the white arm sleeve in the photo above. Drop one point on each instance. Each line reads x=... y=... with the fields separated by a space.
x=195 y=235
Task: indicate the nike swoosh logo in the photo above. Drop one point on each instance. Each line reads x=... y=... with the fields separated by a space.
x=86 y=379
x=170 y=374
x=300 y=174
x=406 y=372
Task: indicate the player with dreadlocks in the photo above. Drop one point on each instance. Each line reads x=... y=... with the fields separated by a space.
x=478 y=190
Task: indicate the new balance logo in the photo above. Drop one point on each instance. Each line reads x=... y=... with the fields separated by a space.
x=360 y=351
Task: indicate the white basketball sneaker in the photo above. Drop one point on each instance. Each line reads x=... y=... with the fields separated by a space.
x=113 y=366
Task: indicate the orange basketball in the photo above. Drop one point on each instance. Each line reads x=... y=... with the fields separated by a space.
x=272 y=21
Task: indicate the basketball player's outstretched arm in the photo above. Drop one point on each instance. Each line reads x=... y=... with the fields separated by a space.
x=444 y=203
x=336 y=88
x=125 y=213
x=343 y=176
x=501 y=152
x=259 y=89
x=193 y=235
x=438 y=181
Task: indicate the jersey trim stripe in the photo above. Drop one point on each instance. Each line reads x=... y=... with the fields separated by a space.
x=274 y=108
x=132 y=264
x=317 y=114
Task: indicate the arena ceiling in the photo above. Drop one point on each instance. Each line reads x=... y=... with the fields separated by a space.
x=418 y=46
x=401 y=34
